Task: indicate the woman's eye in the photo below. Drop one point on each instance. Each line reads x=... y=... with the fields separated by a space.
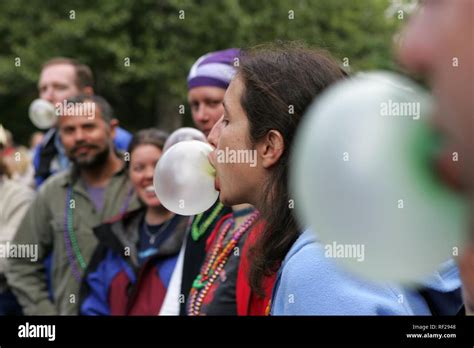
x=225 y=122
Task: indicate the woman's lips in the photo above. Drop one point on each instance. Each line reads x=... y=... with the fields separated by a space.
x=150 y=191
x=150 y=188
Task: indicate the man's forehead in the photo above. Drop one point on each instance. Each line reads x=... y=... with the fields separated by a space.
x=78 y=113
x=57 y=72
x=74 y=120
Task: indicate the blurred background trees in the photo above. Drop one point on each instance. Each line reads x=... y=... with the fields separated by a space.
x=141 y=50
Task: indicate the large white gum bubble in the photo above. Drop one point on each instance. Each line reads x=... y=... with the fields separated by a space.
x=184 y=178
x=42 y=114
x=363 y=182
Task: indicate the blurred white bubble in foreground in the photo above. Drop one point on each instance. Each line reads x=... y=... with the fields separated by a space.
x=362 y=179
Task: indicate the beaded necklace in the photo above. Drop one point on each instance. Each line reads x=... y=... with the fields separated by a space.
x=215 y=262
x=198 y=232
x=73 y=251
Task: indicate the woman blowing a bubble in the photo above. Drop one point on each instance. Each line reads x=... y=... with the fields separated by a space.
x=264 y=105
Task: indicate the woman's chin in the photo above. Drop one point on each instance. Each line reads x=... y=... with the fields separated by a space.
x=228 y=200
x=152 y=202
x=223 y=199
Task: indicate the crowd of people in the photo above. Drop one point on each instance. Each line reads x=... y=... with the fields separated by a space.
x=82 y=198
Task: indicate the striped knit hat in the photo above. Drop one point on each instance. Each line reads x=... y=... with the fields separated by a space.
x=213 y=69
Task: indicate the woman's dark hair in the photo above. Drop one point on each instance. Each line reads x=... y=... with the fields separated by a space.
x=280 y=82
x=149 y=136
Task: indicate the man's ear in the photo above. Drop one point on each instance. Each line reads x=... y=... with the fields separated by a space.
x=113 y=124
x=88 y=91
x=270 y=148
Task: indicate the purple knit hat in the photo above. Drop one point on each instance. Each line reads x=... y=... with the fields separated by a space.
x=214 y=69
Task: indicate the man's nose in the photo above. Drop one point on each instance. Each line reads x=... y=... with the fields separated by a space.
x=48 y=95
x=149 y=172
x=201 y=113
x=79 y=135
x=414 y=50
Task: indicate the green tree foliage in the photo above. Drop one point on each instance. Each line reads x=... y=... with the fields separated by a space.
x=162 y=38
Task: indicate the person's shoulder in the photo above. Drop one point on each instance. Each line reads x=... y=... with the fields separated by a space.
x=127 y=217
x=58 y=179
x=303 y=252
x=445 y=279
x=11 y=187
x=54 y=185
x=14 y=194
x=305 y=282
x=305 y=268
x=125 y=225
x=308 y=261
x=316 y=284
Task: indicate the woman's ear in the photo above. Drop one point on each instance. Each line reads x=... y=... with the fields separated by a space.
x=271 y=148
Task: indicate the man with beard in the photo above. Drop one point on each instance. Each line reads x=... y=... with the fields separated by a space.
x=61 y=79
x=68 y=206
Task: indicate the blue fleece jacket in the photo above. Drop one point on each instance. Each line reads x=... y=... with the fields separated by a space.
x=308 y=283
